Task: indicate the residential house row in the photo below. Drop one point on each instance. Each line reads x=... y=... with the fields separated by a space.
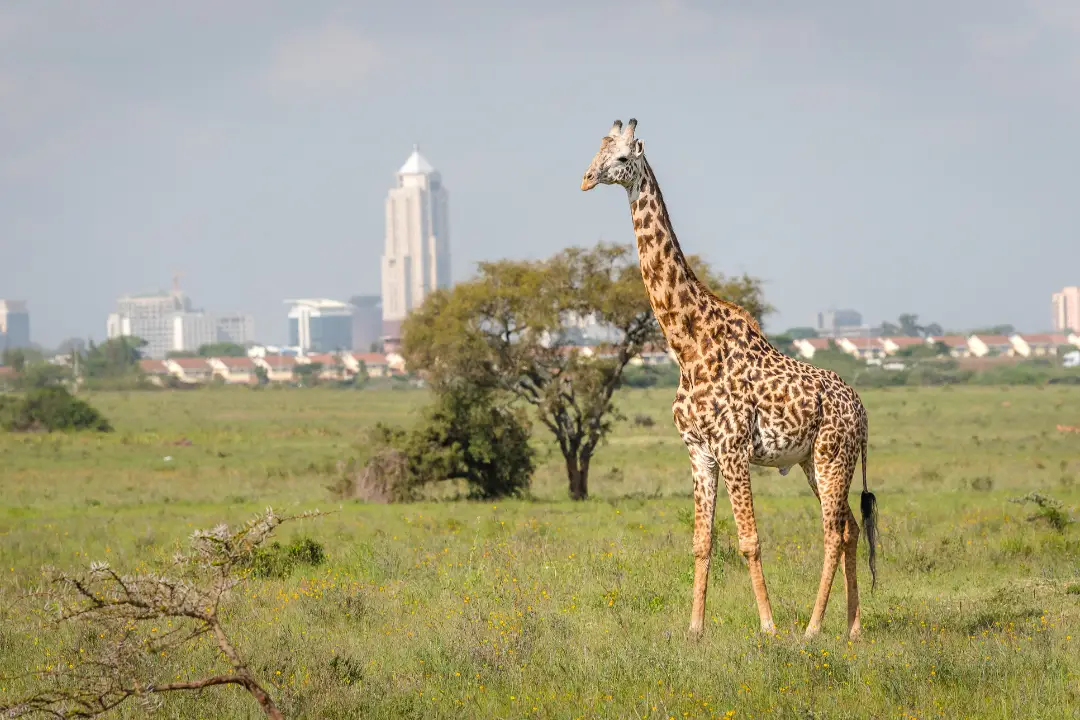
x=874 y=349
x=278 y=368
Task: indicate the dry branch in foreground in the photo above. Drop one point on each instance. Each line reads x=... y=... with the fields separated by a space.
x=119 y=609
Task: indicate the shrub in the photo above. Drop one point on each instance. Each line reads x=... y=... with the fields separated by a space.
x=384 y=478
x=938 y=373
x=278 y=561
x=1048 y=510
x=646 y=376
x=50 y=408
x=465 y=435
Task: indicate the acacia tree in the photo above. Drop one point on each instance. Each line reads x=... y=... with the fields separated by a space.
x=512 y=329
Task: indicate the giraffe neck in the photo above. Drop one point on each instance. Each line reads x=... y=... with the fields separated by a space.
x=675 y=293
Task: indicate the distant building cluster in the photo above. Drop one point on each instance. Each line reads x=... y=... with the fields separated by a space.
x=168 y=323
x=841 y=323
x=415 y=261
x=14 y=325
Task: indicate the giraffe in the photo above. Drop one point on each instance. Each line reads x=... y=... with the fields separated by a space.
x=740 y=401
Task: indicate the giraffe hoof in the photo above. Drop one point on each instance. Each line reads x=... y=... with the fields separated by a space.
x=695 y=633
x=854 y=633
x=768 y=629
x=812 y=631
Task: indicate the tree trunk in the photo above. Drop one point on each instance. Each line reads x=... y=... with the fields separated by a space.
x=577 y=471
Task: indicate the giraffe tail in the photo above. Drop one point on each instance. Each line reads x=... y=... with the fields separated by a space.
x=868 y=508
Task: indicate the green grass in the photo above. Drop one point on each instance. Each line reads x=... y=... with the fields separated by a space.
x=545 y=608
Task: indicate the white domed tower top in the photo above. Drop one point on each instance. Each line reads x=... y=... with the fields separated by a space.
x=417 y=164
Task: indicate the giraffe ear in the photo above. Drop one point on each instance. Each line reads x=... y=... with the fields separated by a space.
x=639 y=148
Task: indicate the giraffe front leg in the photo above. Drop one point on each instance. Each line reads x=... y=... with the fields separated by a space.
x=705 y=478
x=736 y=471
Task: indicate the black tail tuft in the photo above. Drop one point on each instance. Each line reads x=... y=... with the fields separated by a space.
x=868 y=507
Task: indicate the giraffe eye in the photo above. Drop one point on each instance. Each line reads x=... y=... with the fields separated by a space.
x=621 y=158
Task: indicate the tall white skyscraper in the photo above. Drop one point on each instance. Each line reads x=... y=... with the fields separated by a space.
x=416 y=258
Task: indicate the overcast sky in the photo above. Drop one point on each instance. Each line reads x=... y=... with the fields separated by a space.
x=851 y=154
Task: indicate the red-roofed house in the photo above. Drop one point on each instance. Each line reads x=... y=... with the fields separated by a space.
x=156 y=371
x=651 y=356
x=957 y=344
x=279 y=368
x=235 y=370
x=333 y=367
x=396 y=362
x=375 y=363
x=806 y=347
x=190 y=370
x=1039 y=345
x=893 y=345
x=994 y=345
x=863 y=348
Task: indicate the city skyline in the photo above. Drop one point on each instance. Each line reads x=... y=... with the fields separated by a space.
x=258 y=168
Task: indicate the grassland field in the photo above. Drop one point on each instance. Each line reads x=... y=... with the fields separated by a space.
x=544 y=608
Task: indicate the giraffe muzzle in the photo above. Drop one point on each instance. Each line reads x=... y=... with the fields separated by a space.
x=588 y=182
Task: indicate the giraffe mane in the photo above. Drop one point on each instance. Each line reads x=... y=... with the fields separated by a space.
x=734 y=307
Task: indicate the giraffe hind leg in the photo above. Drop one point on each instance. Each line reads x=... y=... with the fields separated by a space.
x=851 y=580
x=832 y=480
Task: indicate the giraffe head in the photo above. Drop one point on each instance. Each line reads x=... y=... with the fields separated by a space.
x=620 y=160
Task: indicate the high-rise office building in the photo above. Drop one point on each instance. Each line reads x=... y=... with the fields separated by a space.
x=1066 y=309
x=192 y=330
x=367 y=321
x=239 y=329
x=841 y=323
x=320 y=325
x=14 y=325
x=150 y=318
x=416 y=257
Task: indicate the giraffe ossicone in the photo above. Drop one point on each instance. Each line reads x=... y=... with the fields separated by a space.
x=741 y=401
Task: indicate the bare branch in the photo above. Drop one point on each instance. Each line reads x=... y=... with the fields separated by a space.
x=116 y=605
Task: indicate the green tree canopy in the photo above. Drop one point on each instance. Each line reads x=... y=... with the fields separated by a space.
x=114 y=358
x=307 y=374
x=907 y=325
x=222 y=349
x=508 y=330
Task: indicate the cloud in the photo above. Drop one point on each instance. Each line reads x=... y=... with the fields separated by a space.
x=330 y=62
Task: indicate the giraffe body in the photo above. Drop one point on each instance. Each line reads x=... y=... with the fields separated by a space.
x=740 y=401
